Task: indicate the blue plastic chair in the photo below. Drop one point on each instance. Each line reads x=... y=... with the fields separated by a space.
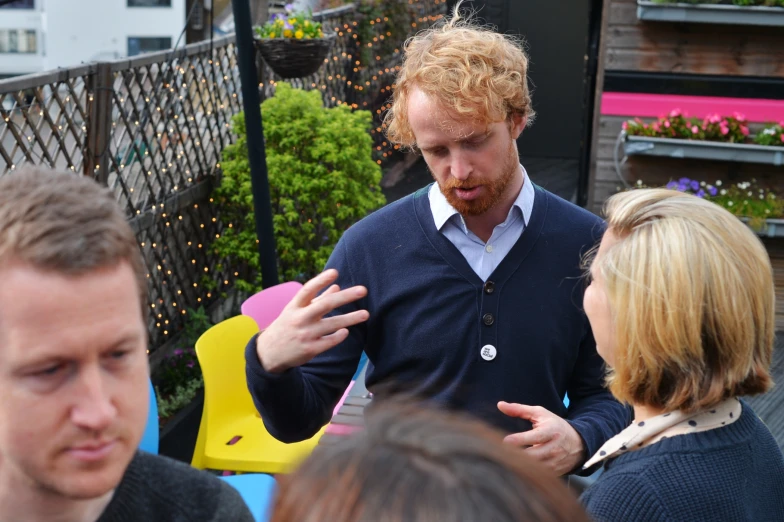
x=256 y=489
x=150 y=440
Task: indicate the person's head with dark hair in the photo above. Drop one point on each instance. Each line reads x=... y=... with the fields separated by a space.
x=412 y=464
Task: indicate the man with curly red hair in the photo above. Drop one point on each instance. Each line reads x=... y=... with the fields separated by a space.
x=466 y=292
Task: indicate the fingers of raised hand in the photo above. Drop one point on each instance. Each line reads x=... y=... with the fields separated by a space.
x=331 y=300
x=311 y=289
x=331 y=290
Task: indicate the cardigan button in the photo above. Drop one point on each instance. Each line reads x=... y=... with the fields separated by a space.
x=488 y=352
x=489 y=287
x=488 y=319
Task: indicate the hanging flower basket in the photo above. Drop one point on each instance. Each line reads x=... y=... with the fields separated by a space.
x=293 y=58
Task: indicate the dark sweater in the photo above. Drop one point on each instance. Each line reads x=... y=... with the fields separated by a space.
x=156 y=488
x=729 y=474
x=430 y=315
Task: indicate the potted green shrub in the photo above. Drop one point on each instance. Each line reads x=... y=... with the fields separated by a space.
x=322 y=179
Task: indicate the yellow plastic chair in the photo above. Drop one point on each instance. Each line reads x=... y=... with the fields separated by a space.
x=232 y=436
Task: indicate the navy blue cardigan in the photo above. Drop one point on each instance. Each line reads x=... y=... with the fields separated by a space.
x=430 y=315
x=734 y=473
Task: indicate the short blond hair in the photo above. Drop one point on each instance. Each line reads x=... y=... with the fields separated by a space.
x=473 y=71
x=65 y=223
x=691 y=292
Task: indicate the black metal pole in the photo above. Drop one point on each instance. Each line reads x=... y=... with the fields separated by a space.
x=257 y=157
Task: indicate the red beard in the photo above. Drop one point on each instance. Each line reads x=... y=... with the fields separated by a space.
x=493 y=189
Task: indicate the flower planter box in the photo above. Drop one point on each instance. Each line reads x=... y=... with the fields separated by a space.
x=772 y=228
x=710 y=13
x=178 y=435
x=705 y=150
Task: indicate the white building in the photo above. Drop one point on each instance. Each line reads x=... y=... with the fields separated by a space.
x=40 y=35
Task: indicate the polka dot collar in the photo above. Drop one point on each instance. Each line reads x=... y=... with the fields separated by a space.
x=651 y=431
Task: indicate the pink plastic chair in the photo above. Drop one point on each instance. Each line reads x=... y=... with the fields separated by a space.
x=265 y=306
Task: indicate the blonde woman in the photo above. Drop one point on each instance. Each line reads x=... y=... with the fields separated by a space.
x=681 y=304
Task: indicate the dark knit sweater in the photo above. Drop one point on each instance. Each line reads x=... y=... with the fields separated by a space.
x=430 y=316
x=729 y=474
x=159 y=489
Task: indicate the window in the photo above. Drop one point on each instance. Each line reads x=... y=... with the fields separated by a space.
x=139 y=44
x=149 y=3
x=19 y=4
x=23 y=41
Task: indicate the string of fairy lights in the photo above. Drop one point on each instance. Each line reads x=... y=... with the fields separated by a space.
x=176 y=138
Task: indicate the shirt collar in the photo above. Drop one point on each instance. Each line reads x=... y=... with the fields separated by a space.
x=651 y=431
x=443 y=211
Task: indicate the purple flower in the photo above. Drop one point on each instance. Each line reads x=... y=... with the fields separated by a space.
x=672 y=185
x=288 y=7
x=191 y=364
x=713 y=190
x=695 y=185
x=700 y=193
x=684 y=181
x=682 y=187
x=178 y=352
x=287 y=25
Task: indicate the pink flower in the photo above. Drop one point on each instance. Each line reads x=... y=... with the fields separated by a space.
x=656 y=127
x=781 y=123
x=695 y=130
x=638 y=120
x=667 y=124
x=714 y=118
x=782 y=138
x=725 y=131
x=625 y=125
x=744 y=130
x=740 y=117
x=675 y=113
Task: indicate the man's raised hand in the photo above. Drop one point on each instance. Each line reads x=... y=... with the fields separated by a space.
x=301 y=331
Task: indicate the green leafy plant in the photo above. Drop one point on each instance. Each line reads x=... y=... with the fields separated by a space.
x=746 y=199
x=182 y=396
x=322 y=179
x=772 y=134
x=383 y=24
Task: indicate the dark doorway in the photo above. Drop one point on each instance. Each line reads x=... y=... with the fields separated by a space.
x=562 y=42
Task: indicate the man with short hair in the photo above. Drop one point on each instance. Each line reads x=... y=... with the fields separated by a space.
x=466 y=292
x=73 y=366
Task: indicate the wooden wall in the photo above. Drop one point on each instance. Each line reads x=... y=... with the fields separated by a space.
x=630 y=45
x=633 y=45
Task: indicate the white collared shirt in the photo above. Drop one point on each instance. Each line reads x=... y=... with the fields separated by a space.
x=483 y=257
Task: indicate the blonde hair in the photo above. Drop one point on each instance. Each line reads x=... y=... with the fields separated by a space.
x=65 y=223
x=473 y=71
x=693 y=303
